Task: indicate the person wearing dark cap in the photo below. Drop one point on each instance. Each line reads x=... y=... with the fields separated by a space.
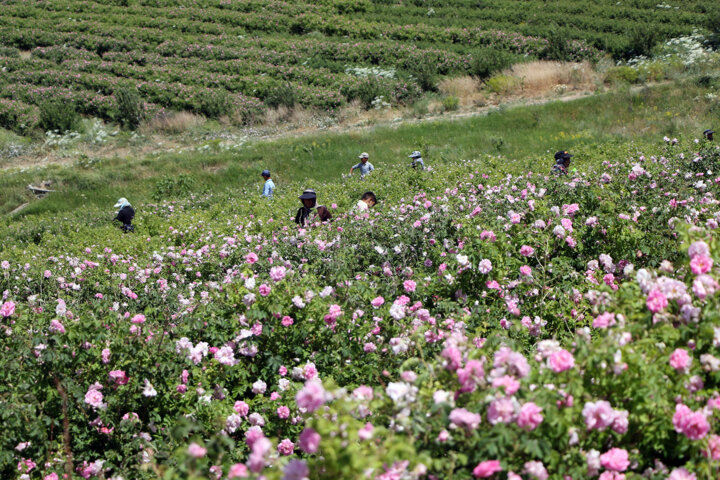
x=308 y=199
x=562 y=162
x=417 y=160
x=125 y=214
x=709 y=134
x=269 y=186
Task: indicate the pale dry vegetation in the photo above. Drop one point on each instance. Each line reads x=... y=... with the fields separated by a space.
x=466 y=89
x=172 y=123
x=541 y=77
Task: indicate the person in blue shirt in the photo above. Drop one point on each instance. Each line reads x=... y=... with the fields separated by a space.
x=269 y=186
x=364 y=166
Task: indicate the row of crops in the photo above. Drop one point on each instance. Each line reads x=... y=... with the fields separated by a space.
x=220 y=58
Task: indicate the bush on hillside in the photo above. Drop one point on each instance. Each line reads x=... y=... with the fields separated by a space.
x=58 y=115
x=489 y=61
x=130 y=107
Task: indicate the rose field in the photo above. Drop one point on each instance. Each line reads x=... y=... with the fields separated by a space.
x=223 y=58
x=485 y=320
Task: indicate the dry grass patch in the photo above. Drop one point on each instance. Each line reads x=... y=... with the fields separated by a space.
x=172 y=123
x=466 y=88
x=543 y=76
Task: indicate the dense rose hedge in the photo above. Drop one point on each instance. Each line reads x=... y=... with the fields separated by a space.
x=480 y=322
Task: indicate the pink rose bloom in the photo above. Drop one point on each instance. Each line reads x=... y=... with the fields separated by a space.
x=7 y=309
x=309 y=440
x=251 y=258
x=264 y=290
x=94 y=396
x=311 y=397
x=196 y=451
x=656 y=301
x=296 y=470
x=105 y=355
x=51 y=476
x=604 y=320
x=471 y=375
x=530 y=416
x=680 y=360
x=462 y=418
x=139 y=318
x=283 y=412
x=241 y=408
x=700 y=264
x=238 y=471
x=56 y=327
x=526 y=270
x=598 y=415
x=409 y=286
x=526 y=250
x=485 y=266
x=501 y=410
x=377 y=301
x=608 y=475
x=509 y=383
x=286 y=447
x=118 y=376
x=561 y=360
x=536 y=470
x=615 y=459
x=704 y=285
x=698 y=248
x=366 y=432
x=277 y=273
x=487 y=468
x=681 y=474
x=693 y=425
x=713 y=448
x=453 y=358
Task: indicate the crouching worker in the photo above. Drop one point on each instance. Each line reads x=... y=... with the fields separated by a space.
x=562 y=163
x=310 y=208
x=125 y=215
x=367 y=201
x=417 y=161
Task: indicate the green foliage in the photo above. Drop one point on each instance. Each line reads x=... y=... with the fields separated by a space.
x=215 y=104
x=173 y=187
x=130 y=107
x=450 y=103
x=623 y=74
x=425 y=74
x=502 y=84
x=642 y=41
x=58 y=115
x=282 y=95
x=488 y=61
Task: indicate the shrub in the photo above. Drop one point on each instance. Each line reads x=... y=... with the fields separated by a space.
x=502 y=84
x=487 y=62
x=215 y=103
x=622 y=74
x=281 y=96
x=368 y=90
x=58 y=115
x=642 y=41
x=450 y=103
x=425 y=73
x=173 y=187
x=130 y=107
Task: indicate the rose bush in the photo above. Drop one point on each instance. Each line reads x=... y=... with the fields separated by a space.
x=507 y=324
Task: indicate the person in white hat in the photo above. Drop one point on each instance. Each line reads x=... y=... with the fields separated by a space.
x=364 y=166
x=417 y=160
x=125 y=214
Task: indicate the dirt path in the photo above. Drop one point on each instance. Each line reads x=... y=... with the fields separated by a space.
x=157 y=145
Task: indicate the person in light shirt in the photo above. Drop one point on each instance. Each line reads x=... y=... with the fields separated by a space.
x=364 y=166
x=269 y=186
x=367 y=201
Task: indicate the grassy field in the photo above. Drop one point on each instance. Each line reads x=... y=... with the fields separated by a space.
x=524 y=134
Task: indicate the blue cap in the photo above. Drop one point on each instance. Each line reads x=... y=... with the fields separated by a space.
x=265 y=173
